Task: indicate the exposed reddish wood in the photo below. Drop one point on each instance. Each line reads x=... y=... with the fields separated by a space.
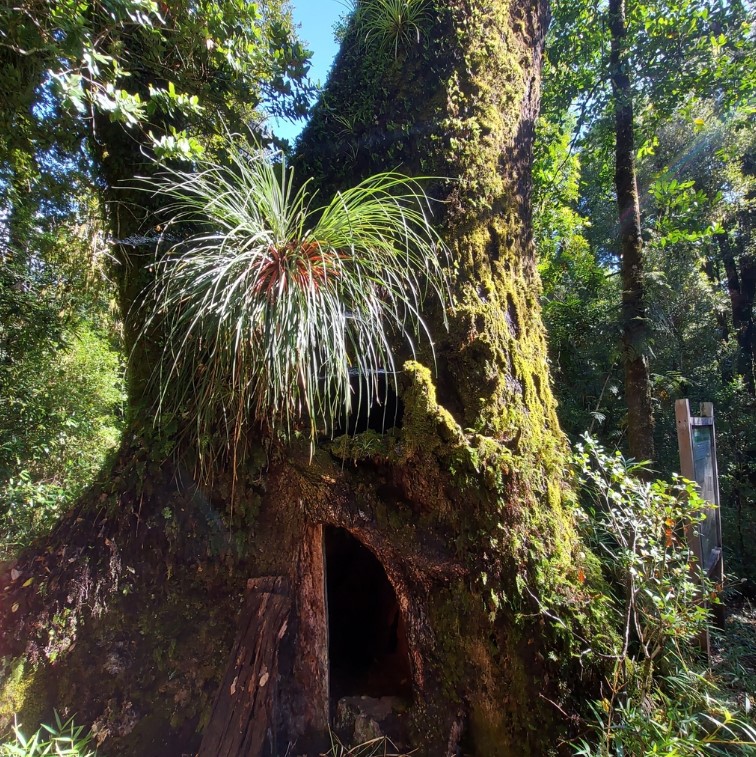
x=310 y=666
x=244 y=714
x=454 y=748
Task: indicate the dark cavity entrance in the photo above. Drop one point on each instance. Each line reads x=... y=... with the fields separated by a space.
x=367 y=638
x=385 y=412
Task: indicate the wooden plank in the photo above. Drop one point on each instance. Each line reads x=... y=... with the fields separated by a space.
x=717 y=572
x=243 y=722
x=687 y=467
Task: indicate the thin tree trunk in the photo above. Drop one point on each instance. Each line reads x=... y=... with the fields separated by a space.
x=635 y=328
x=741 y=287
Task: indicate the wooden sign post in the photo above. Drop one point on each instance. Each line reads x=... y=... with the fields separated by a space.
x=698 y=462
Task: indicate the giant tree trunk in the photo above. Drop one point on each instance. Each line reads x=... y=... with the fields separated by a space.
x=427 y=582
x=635 y=329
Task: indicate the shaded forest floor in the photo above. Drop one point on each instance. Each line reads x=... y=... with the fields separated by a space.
x=734 y=654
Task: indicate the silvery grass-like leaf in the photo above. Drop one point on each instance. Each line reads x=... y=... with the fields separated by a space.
x=270 y=305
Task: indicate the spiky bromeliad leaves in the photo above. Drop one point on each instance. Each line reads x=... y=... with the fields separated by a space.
x=271 y=305
x=392 y=23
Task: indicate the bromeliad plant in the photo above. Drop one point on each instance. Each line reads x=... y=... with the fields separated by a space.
x=273 y=302
x=392 y=23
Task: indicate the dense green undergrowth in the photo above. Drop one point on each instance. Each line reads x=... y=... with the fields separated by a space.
x=60 y=417
x=660 y=697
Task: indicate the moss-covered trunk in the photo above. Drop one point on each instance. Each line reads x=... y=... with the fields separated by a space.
x=457 y=521
x=463 y=504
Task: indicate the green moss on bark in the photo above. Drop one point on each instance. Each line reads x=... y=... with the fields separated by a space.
x=143 y=677
x=23 y=696
x=485 y=466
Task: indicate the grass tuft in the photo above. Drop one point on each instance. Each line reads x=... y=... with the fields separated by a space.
x=63 y=739
x=380 y=746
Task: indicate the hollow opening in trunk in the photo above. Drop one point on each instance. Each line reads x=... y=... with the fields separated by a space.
x=385 y=412
x=367 y=638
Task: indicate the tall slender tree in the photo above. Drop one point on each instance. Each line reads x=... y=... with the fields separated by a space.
x=635 y=323
x=629 y=65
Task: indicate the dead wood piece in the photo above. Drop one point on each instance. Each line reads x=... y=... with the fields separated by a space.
x=244 y=714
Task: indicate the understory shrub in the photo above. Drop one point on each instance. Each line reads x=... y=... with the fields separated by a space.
x=60 y=416
x=63 y=739
x=658 y=698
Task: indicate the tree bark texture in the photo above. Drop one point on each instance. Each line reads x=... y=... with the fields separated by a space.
x=463 y=505
x=741 y=287
x=635 y=325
